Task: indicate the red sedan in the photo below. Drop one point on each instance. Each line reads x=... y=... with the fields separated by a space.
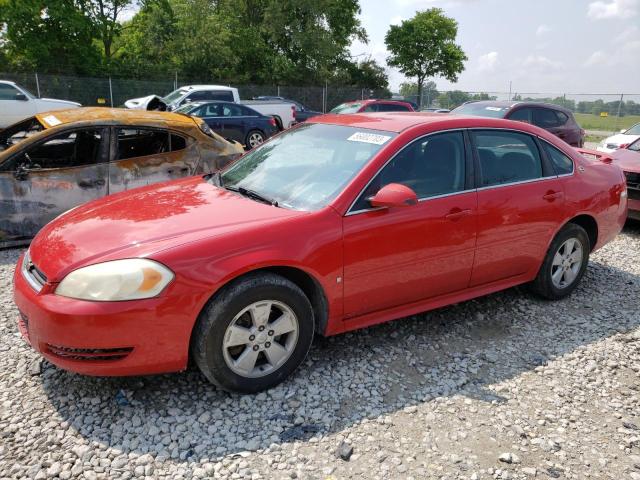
x=628 y=159
x=340 y=223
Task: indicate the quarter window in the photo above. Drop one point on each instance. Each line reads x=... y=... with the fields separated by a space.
x=177 y=142
x=506 y=157
x=430 y=166
x=562 y=164
x=545 y=118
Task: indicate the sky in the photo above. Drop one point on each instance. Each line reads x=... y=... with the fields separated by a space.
x=555 y=46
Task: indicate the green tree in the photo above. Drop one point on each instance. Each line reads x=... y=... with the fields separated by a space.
x=430 y=92
x=424 y=46
x=105 y=16
x=453 y=99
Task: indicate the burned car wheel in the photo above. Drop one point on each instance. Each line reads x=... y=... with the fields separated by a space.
x=254 y=138
x=253 y=333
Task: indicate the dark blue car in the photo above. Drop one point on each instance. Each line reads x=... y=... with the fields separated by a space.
x=233 y=121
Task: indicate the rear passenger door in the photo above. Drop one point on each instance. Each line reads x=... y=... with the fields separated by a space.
x=142 y=156
x=520 y=204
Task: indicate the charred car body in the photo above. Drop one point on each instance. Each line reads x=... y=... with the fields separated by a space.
x=55 y=161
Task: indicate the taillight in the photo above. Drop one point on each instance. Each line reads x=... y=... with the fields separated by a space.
x=293 y=111
x=272 y=122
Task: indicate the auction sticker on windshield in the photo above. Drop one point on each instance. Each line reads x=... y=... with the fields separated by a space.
x=368 y=138
x=51 y=120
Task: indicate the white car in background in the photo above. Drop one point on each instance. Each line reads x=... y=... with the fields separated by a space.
x=282 y=111
x=17 y=103
x=620 y=140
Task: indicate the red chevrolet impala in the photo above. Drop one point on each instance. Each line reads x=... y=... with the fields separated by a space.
x=342 y=222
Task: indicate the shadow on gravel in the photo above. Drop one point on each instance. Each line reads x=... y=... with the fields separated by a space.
x=464 y=349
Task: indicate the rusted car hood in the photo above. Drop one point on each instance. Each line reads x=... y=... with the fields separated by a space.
x=140 y=222
x=627 y=160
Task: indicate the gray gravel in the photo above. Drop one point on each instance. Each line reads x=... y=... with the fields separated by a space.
x=506 y=387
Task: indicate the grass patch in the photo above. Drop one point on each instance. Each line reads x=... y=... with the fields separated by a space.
x=607 y=124
x=594 y=138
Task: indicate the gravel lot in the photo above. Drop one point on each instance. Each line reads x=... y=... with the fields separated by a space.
x=506 y=386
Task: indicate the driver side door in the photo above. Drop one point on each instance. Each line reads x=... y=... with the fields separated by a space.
x=47 y=178
x=395 y=256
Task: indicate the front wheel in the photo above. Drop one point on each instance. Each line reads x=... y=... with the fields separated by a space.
x=254 y=333
x=565 y=263
x=254 y=138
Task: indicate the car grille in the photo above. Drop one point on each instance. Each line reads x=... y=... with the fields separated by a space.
x=89 y=354
x=633 y=185
x=32 y=274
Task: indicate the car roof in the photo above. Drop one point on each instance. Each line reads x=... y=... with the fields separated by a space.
x=400 y=121
x=111 y=115
x=206 y=87
x=513 y=103
x=8 y=82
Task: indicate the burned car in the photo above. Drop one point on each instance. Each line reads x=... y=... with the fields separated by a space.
x=55 y=161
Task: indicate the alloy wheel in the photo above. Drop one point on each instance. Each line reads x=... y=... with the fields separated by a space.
x=567 y=263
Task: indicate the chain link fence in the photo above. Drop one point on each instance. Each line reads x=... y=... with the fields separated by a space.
x=595 y=112
x=91 y=91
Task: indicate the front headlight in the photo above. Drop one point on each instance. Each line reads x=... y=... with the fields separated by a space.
x=129 y=279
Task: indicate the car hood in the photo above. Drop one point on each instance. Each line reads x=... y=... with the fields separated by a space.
x=144 y=221
x=621 y=139
x=627 y=160
x=56 y=102
x=150 y=102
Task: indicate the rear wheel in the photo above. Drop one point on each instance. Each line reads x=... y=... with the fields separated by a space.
x=565 y=263
x=254 y=333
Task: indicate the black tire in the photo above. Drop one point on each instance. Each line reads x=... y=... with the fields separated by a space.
x=543 y=284
x=257 y=133
x=208 y=335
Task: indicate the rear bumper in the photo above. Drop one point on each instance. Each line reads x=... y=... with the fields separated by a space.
x=106 y=338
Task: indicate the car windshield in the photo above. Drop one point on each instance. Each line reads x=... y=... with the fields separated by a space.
x=19 y=132
x=635 y=130
x=347 y=108
x=173 y=96
x=307 y=167
x=481 y=110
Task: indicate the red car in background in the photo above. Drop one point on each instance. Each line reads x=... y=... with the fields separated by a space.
x=339 y=223
x=628 y=159
x=362 y=106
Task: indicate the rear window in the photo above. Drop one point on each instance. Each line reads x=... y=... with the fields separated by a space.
x=481 y=110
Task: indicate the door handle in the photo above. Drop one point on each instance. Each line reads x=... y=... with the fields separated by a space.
x=89 y=183
x=457 y=214
x=551 y=196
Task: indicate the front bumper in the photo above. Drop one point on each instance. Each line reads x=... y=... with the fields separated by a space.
x=106 y=338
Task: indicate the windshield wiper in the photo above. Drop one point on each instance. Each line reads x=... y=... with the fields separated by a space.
x=253 y=195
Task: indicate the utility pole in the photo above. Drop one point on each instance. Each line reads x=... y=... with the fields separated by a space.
x=510 y=82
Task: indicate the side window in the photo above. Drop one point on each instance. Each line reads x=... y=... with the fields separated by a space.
x=390 y=107
x=141 y=142
x=635 y=146
x=212 y=110
x=68 y=149
x=224 y=95
x=521 y=115
x=506 y=157
x=545 y=118
x=430 y=166
x=177 y=142
x=196 y=97
x=374 y=107
x=230 y=110
x=562 y=164
x=8 y=92
x=247 y=112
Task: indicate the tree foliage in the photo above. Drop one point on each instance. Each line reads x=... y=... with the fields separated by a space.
x=241 y=41
x=424 y=46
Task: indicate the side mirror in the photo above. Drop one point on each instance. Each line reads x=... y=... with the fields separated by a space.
x=394 y=195
x=21 y=96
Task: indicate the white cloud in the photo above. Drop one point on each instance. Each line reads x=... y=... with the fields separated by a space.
x=488 y=62
x=541 y=63
x=596 y=58
x=542 y=30
x=613 y=9
x=629 y=34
